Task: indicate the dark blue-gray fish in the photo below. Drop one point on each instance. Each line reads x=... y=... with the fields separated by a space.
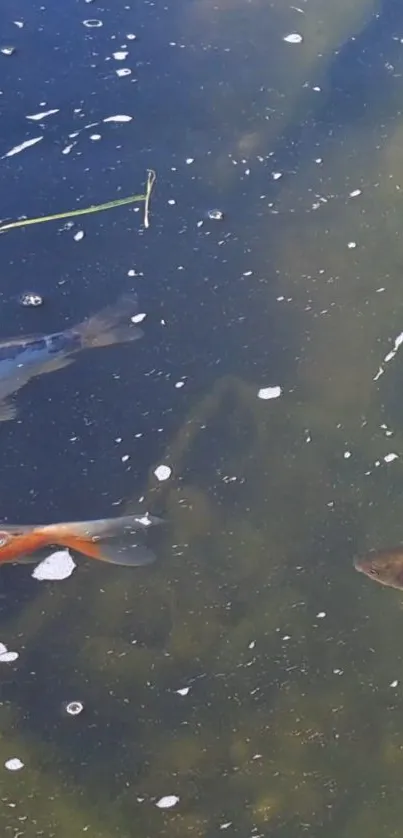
x=28 y=357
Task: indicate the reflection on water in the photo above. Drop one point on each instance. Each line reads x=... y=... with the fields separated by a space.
x=251 y=673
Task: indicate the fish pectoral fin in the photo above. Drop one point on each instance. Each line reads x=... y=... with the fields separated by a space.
x=55 y=364
x=130 y=553
x=8 y=410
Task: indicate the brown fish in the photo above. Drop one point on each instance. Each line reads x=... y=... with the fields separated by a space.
x=108 y=539
x=383 y=566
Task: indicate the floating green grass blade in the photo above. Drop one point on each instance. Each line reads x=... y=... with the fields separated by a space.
x=120 y=202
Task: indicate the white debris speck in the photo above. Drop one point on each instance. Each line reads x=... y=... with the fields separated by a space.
x=347 y=455
x=390 y=457
x=171 y=202
x=79 y=235
x=293 y=38
x=8 y=657
x=215 y=215
x=394 y=684
x=321 y=615
x=57 y=566
x=95 y=137
x=138 y=318
x=168 y=801
x=189 y=160
x=120 y=55
x=252 y=644
x=131 y=37
x=37 y=117
x=351 y=245
x=225 y=825
x=7 y=50
x=337 y=672
x=397 y=343
x=119 y=117
x=162 y=472
x=355 y=193
x=125 y=458
x=74 y=708
x=179 y=384
x=93 y=23
x=67 y=149
x=17 y=148
x=14 y=764
x=277 y=175
x=19 y=23
x=183 y=691
x=269 y=393
x=123 y=71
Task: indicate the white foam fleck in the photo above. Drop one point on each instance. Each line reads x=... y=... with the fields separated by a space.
x=347 y=455
x=17 y=148
x=7 y=50
x=397 y=343
x=352 y=245
x=225 y=825
x=269 y=392
x=183 y=691
x=79 y=235
x=95 y=137
x=119 y=117
x=19 y=23
x=321 y=615
x=123 y=71
x=14 y=764
x=168 y=801
x=39 y=116
x=355 y=193
x=276 y=175
x=390 y=457
x=120 y=55
x=125 y=458
x=57 y=566
x=394 y=684
x=67 y=149
x=189 y=160
x=8 y=657
x=138 y=318
x=162 y=472
x=252 y=644
x=293 y=38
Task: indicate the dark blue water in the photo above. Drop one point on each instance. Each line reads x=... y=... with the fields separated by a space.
x=250 y=672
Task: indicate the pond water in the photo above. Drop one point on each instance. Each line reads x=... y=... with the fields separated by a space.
x=249 y=681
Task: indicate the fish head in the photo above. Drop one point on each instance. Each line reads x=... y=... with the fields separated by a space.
x=383 y=566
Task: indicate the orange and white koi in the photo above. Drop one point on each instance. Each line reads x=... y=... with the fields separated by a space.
x=113 y=540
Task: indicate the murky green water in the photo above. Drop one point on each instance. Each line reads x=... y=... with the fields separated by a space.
x=250 y=672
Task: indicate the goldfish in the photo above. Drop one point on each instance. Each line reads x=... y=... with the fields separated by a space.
x=383 y=566
x=24 y=358
x=112 y=540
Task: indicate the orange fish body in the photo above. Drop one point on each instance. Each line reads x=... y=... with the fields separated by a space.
x=113 y=540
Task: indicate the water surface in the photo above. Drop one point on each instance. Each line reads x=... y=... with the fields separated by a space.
x=288 y=663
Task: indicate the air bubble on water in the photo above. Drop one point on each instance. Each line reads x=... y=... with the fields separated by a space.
x=215 y=215
x=7 y=50
x=93 y=23
x=74 y=708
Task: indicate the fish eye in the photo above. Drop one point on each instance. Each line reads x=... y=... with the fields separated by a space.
x=4 y=539
x=373 y=571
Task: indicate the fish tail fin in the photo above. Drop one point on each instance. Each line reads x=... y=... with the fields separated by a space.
x=111 y=324
x=113 y=540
